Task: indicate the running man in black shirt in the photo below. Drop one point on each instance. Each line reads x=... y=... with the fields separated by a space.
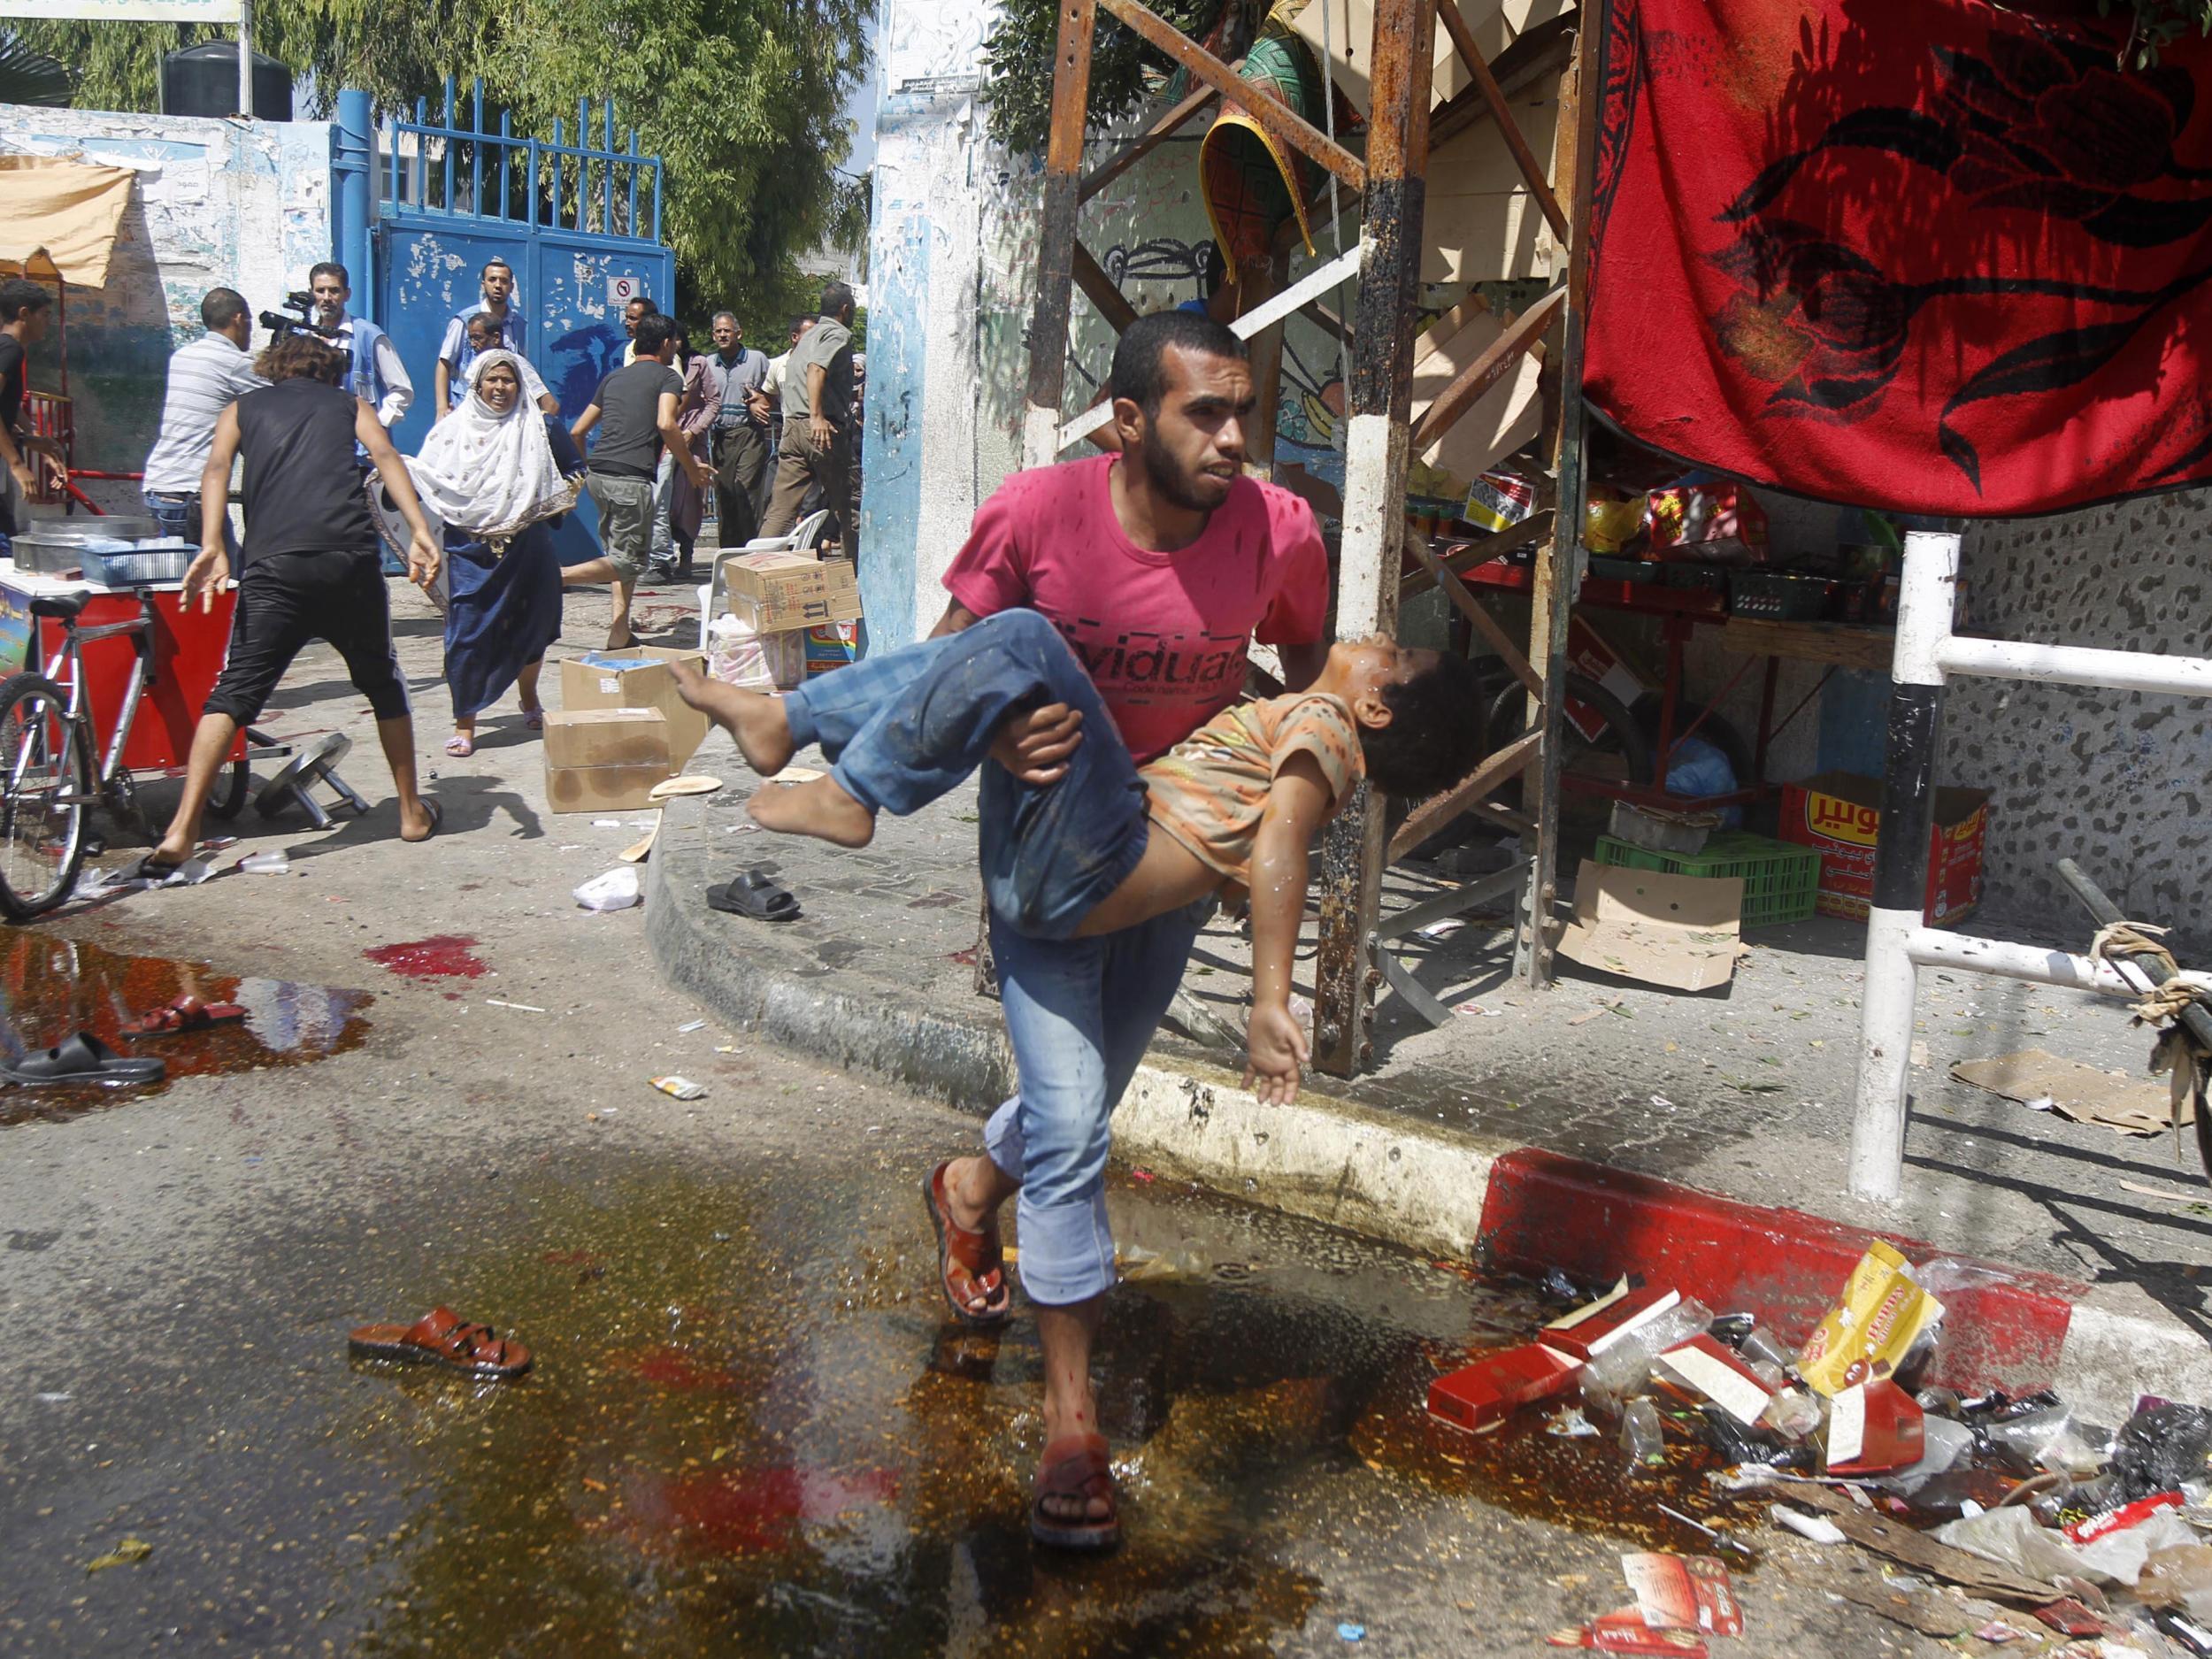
x=309 y=569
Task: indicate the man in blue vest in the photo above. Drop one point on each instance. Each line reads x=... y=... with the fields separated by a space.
x=459 y=349
x=375 y=374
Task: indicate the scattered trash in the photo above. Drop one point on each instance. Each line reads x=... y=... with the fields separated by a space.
x=2080 y=1092
x=55 y=1399
x=1443 y=929
x=1478 y=1010
x=129 y=1553
x=1683 y=1593
x=615 y=890
x=1352 y=1632
x=691 y=1025
x=519 y=1007
x=606 y=823
x=266 y=863
x=1572 y=1424
x=681 y=1088
x=1806 y=1525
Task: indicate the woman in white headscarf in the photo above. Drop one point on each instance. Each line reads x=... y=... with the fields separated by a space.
x=492 y=475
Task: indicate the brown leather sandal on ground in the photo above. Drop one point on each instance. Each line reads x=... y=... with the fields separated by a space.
x=442 y=1337
x=968 y=1262
x=184 y=1013
x=1077 y=1466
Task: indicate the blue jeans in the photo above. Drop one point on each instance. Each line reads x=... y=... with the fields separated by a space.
x=180 y=515
x=902 y=728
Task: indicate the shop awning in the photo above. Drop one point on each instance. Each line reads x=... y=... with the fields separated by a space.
x=58 y=217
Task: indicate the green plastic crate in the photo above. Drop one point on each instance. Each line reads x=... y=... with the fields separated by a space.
x=1779 y=880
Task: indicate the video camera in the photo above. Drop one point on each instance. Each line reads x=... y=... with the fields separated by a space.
x=279 y=325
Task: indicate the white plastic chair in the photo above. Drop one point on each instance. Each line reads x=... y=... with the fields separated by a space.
x=715 y=588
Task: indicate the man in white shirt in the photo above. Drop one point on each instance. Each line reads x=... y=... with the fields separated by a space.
x=460 y=347
x=379 y=379
x=207 y=376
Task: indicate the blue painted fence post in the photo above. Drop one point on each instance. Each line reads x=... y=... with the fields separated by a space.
x=353 y=159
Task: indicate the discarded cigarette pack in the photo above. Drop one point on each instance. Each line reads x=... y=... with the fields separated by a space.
x=1875 y=1426
x=1590 y=1329
x=1704 y=1368
x=1496 y=1385
x=1683 y=1593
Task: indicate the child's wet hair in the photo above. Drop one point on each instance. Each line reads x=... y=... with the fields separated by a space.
x=1435 y=734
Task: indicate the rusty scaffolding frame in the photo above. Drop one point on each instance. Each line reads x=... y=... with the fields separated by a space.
x=1387 y=184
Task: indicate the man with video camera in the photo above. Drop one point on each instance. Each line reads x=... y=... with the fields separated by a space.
x=377 y=377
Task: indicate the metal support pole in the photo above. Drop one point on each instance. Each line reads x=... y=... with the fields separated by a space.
x=353 y=159
x=1929 y=580
x=1561 y=561
x=1378 y=402
x=1064 y=184
x=245 y=58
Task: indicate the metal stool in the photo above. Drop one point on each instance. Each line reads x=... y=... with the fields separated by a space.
x=316 y=763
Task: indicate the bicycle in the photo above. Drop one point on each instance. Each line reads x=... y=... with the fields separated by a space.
x=49 y=750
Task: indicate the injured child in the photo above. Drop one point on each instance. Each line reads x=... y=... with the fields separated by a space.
x=1230 y=811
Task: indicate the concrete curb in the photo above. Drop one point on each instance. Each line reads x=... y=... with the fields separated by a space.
x=1438 y=1191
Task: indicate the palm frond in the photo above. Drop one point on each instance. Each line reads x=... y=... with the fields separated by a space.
x=32 y=77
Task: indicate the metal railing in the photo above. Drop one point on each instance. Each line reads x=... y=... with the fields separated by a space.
x=1898 y=946
x=475 y=171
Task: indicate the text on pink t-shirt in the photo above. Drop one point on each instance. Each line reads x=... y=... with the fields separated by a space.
x=1162 y=636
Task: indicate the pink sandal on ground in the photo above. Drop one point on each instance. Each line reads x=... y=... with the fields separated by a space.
x=460 y=746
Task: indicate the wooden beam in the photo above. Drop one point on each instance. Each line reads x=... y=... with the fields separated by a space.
x=1560 y=562
x=1533 y=171
x=1145 y=142
x=1472 y=609
x=1437 y=811
x=1532 y=529
x=1055 y=237
x=1377 y=403
x=1099 y=289
x=1486 y=370
x=1538 y=53
x=1275 y=117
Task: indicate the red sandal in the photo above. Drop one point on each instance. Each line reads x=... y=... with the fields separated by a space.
x=1076 y=1466
x=442 y=1337
x=180 y=1014
x=973 y=1255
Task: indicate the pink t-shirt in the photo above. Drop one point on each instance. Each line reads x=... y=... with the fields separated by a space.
x=1162 y=636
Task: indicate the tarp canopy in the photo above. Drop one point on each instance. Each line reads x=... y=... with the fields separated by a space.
x=58 y=217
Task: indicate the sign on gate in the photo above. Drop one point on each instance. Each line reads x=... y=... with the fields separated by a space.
x=622 y=289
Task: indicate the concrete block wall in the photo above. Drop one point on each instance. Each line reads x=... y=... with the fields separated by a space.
x=218 y=204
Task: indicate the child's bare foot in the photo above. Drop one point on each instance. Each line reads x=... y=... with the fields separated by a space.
x=753 y=718
x=820 y=808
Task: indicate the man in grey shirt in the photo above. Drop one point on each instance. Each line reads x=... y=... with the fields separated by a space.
x=734 y=374
x=635 y=412
x=818 y=420
x=206 y=377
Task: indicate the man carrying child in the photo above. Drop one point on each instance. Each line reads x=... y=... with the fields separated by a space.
x=1152 y=568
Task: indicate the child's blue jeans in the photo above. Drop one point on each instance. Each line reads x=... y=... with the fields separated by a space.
x=902 y=727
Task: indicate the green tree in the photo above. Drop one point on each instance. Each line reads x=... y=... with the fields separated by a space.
x=742 y=99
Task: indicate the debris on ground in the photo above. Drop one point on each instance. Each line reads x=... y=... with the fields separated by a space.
x=2008 y=1520
x=129 y=1553
x=681 y=1088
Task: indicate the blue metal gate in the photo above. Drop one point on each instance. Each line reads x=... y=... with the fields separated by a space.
x=580 y=224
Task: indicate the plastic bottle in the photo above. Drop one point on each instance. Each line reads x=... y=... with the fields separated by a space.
x=1641 y=1442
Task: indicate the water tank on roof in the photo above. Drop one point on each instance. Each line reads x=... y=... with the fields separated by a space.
x=202 y=79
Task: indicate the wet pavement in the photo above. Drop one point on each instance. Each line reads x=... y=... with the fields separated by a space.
x=750 y=1429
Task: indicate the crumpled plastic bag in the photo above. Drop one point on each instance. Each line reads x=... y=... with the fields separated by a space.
x=2013 y=1538
x=616 y=890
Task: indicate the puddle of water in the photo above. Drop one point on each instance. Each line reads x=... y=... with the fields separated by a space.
x=752 y=1430
x=441 y=956
x=51 y=988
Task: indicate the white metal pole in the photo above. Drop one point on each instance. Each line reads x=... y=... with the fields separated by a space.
x=1928 y=584
x=245 y=58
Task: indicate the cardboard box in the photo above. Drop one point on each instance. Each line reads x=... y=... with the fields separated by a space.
x=775 y=591
x=607 y=737
x=637 y=678
x=602 y=788
x=1840 y=813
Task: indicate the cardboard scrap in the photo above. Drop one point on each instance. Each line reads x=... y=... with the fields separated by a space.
x=1623 y=1631
x=1682 y=932
x=2078 y=1092
x=1919 y=1550
x=1929 y=1612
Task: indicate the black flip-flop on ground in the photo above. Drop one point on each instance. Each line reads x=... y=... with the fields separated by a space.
x=754 y=894
x=437 y=822
x=83 y=1058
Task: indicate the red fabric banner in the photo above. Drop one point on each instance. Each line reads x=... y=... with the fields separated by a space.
x=1934 y=256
